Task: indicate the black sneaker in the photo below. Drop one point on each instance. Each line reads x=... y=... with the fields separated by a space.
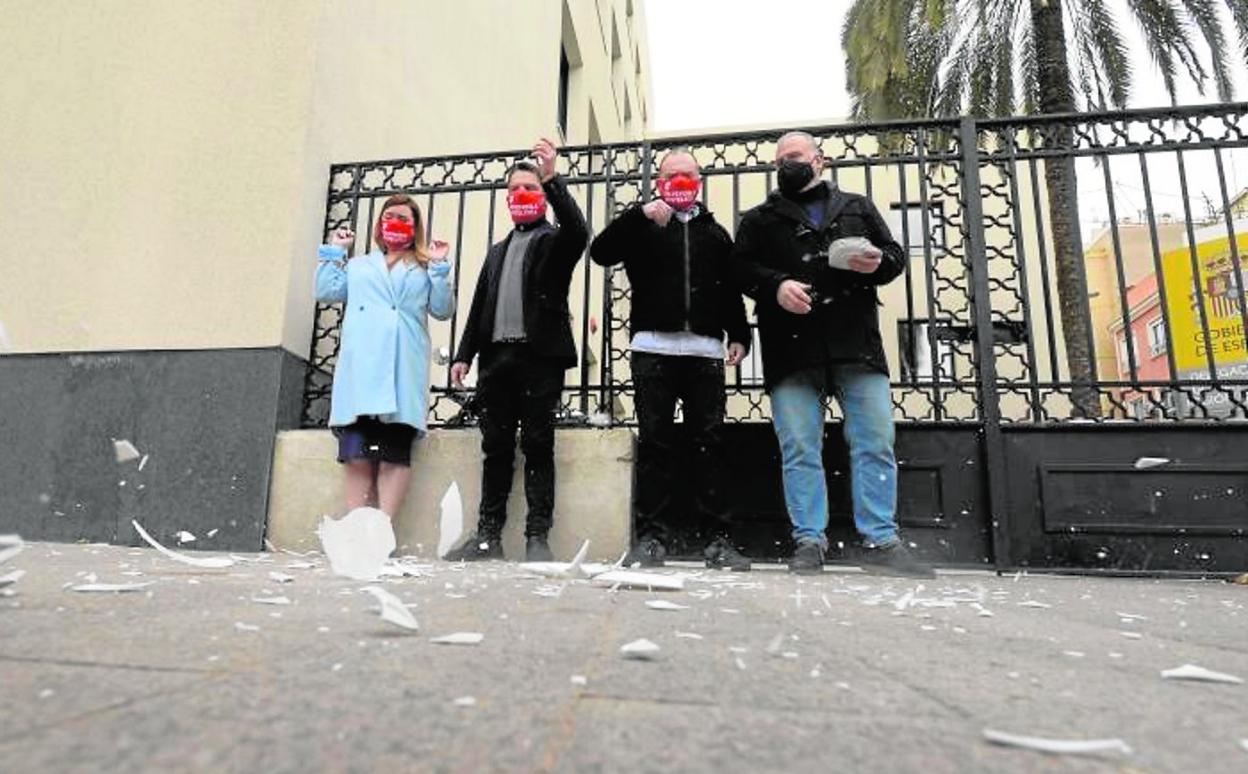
x=721 y=555
x=476 y=549
x=807 y=559
x=896 y=560
x=538 y=550
x=647 y=553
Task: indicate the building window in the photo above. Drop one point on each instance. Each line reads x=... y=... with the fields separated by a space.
x=914 y=339
x=1157 y=337
x=564 y=69
x=905 y=220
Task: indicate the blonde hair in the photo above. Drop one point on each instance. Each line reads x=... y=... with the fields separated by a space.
x=420 y=244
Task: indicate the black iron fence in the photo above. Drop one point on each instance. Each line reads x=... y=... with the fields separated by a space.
x=1083 y=268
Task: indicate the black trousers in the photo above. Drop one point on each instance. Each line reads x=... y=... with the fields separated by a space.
x=517 y=388
x=698 y=383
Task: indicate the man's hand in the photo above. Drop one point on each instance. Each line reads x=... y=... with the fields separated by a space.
x=458 y=372
x=438 y=250
x=866 y=262
x=736 y=353
x=658 y=211
x=544 y=153
x=793 y=297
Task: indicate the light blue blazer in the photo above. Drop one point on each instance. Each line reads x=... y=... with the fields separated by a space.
x=383 y=356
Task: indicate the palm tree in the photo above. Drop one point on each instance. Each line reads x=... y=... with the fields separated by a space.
x=920 y=58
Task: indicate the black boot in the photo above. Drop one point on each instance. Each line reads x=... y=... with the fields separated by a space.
x=538 y=550
x=807 y=558
x=897 y=560
x=721 y=554
x=648 y=552
x=476 y=549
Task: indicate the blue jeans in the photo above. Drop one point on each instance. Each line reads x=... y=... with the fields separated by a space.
x=797 y=415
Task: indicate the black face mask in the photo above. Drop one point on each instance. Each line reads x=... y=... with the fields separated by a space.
x=793 y=175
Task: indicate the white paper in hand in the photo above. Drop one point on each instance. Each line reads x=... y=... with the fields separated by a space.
x=358 y=544
x=840 y=251
x=451 y=526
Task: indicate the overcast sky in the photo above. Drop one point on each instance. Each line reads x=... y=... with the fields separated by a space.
x=718 y=63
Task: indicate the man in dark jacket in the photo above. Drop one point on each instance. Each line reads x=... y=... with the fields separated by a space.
x=683 y=302
x=812 y=256
x=520 y=326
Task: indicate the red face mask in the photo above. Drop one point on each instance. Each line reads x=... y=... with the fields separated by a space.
x=397 y=234
x=679 y=191
x=526 y=206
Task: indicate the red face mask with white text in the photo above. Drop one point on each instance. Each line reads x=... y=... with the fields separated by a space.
x=397 y=234
x=526 y=206
x=679 y=191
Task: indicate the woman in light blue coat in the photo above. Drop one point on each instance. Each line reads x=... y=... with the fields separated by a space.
x=381 y=381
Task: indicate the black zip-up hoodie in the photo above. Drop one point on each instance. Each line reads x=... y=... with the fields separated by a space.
x=679 y=274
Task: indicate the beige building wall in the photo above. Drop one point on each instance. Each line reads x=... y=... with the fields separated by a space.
x=163 y=165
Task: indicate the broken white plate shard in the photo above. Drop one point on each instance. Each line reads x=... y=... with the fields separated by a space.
x=271 y=600
x=689 y=635
x=579 y=680
x=459 y=638
x=125 y=451
x=1034 y=603
x=1144 y=463
x=1200 y=674
x=663 y=604
x=451 y=524
x=641 y=650
x=116 y=588
x=1058 y=746
x=185 y=537
x=213 y=531
x=392 y=609
x=465 y=701
x=245 y=627
x=208 y=562
x=631 y=579
x=143 y=462
x=573 y=569
x=300 y=565
x=11 y=578
x=358 y=544
x=1132 y=635
x=10 y=546
x=281 y=577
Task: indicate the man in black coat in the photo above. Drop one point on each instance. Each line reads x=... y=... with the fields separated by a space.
x=812 y=256
x=683 y=303
x=520 y=326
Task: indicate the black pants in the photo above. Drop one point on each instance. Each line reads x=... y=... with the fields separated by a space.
x=698 y=383
x=517 y=387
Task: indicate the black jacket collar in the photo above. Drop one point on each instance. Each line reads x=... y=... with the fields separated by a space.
x=785 y=207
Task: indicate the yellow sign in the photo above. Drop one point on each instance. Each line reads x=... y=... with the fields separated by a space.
x=1221 y=293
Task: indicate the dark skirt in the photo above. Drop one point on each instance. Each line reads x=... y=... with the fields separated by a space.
x=372 y=440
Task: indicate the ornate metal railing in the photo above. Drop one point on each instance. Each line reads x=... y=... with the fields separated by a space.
x=1163 y=324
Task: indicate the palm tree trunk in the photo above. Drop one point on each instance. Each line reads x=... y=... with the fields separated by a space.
x=1057 y=96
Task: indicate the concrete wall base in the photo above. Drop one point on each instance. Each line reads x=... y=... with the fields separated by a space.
x=593 y=493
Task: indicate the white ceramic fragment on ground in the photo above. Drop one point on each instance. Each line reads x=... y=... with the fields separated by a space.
x=125 y=451
x=1058 y=746
x=185 y=537
x=246 y=627
x=1200 y=674
x=459 y=638
x=208 y=562
x=1144 y=463
x=392 y=609
x=10 y=546
x=631 y=579
x=689 y=635
x=640 y=650
x=451 y=524
x=579 y=680
x=663 y=604
x=281 y=577
x=271 y=600
x=358 y=544
x=573 y=569
x=110 y=588
x=10 y=578
x=466 y=701
x=1034 y=603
